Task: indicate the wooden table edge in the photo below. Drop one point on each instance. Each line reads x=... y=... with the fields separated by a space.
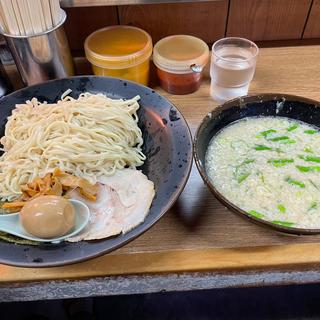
x=297 y=256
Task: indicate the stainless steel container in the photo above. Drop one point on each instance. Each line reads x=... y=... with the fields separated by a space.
x=44 y=56
x=5 y=84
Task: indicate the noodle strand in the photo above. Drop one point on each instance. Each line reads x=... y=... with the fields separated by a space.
x=88 y=137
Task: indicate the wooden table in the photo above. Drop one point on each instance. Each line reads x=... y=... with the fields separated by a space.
x=198 y=244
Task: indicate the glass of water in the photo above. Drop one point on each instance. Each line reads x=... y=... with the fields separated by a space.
x=232 y=68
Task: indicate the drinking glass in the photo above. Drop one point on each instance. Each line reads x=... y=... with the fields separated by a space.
x=232 y=68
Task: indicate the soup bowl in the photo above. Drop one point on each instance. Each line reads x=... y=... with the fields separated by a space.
x=271 y=104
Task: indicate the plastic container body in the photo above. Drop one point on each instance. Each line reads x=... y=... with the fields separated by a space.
x=180 y=60
x=179 y=83
x=121 y=52
x=138 y=73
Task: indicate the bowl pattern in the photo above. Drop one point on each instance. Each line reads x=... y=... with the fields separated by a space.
x=167 y=144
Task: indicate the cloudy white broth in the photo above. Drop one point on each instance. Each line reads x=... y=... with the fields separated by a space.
x=270 y=168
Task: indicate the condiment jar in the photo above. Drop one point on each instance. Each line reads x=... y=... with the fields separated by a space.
x=120 y=51
x=180 y=60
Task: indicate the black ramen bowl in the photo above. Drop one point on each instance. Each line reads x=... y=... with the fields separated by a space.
x=167 y=145
x=281 y=105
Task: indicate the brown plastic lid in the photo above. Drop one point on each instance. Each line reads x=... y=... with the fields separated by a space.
x=181 y=54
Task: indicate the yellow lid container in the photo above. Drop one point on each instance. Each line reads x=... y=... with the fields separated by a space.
x=120 y=51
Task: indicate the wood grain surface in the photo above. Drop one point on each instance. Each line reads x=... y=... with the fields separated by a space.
x=260 y=20
x=267 y=19
x=206 y=20
x=198 y=233
x=90 y=3
x=312 y=29
x=82 y=21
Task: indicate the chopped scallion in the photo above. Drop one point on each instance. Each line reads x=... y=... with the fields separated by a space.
x=281 y=208
x=280 y=138
x=308 y=149
x=308 y=169
x=310 y=131
x=310 y=158
x=265 y=133
x=241 y=172
x=313 y=205
x=256 y=214
x=289 y=141
x=293 y=127
x=283 y=223
x=247 y=161
x=280 y=162
x=295 y=182
x=260 y=147
x=242 y=177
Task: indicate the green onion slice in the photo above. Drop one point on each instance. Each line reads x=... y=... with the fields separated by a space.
x=295 y=182
x=283 y=223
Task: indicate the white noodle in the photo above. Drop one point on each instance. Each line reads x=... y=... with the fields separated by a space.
x=88 y=137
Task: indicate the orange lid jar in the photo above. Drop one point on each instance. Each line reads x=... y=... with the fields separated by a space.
x=120 y=51
x=180 y=60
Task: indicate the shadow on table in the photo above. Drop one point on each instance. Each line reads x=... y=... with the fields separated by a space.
x=192 y=206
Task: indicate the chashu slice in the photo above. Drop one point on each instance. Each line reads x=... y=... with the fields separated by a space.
x=105 y=220
x=123 y=202
x=136 y=193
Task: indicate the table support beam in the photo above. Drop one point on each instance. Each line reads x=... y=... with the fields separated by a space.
x=120 y=285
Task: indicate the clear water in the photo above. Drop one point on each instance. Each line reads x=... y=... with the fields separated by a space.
x=231 y=78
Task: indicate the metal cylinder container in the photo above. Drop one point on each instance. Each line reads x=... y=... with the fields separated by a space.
x=5 y=84
x=43 y=56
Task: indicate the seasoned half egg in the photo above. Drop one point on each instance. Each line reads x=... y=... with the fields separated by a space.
x=48 y=216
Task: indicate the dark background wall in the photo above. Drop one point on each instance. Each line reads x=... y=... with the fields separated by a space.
x=268 y=22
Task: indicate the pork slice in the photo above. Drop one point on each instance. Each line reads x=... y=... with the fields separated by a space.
x=123 y=202
x=135 y=192
x=105 y=215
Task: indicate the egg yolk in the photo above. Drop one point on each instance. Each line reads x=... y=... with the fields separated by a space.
x=48 y=216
